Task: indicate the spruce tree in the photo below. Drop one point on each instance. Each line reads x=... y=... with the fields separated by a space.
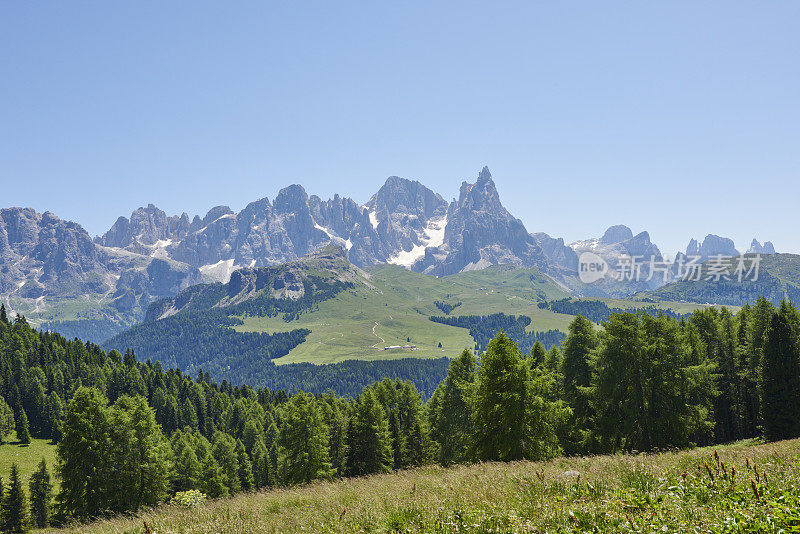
x=780 y=375
x=14 y=512
x=451 y=410
x=7 y=421
x=368 y=440
x=212 y=482
x=538 y=354
x=245 y=467
x=304 y=442
x=3 y=314
x=23 y=429
x=576 y=368
x=84 y=467
x=41 y=495
x=512 y=419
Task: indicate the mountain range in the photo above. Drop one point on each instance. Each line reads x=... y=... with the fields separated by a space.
x=53 y=272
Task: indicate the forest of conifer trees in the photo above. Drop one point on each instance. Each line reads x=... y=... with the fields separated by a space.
x=131 y=434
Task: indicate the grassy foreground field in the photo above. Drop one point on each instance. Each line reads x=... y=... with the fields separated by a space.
x=27 y=457
x=744 y=487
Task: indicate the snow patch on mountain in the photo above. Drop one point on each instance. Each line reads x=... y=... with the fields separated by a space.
x=432 y=236
x=218 y=272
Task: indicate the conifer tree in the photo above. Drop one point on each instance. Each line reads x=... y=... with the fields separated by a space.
x=7 y=422
x=139 y=454
x=368 y=439
x=728 y=408
x=512 y=418
x=780 y=375
x=640 y=391
x=14 y=512
x=224 y=451
x=212 y=482
x=41 y=495
x=245 y=467
x=451 y=410
x=3 y=314
x=576 y=368
x=188 y=469
x=23 y=429
x=304 y=442
x=83 y=466
x=538 y=354
x=554 y=359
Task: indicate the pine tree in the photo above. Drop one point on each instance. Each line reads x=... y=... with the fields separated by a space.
x=368 y=440
x=576 y=369
x=641 y=390
x=7 y=422
x=304 y=442
x=23 y=429
x=84 y=466
x=3 y=314
x=451 y=410
x=513 y=420
x=728 y=408
x=14 y=512
x=245 y=467
x=139 y=454
x=212 y=482
x=41 y=495
x=780 y=375
x=538 y=354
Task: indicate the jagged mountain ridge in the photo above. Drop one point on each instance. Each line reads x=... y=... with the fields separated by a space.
x=52 y=271
x=404 y=223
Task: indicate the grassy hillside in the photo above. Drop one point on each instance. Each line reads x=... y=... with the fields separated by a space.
x=353 y=314
x=393 y=304
x=744 y=487
x=778 y=279
x=27 y=457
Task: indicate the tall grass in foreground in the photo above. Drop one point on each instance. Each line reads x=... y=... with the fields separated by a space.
x=744 y=487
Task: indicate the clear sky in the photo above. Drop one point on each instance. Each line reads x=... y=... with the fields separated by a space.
x=680 y=118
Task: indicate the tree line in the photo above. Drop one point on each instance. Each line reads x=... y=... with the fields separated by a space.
x=483 y=328
x=131 y=434
x=597 y=310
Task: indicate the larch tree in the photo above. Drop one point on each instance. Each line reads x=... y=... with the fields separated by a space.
x=780 y=375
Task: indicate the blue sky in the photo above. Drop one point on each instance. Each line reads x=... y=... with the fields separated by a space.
x=680 y=118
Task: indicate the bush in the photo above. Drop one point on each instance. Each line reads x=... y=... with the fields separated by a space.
x=189 y=498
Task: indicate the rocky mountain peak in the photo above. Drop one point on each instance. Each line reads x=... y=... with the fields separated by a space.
x=482 y=195
x=215 y=213
x=291 y=199
x=616 y=234
x=410 y=197
x=713 y=245
x=758 y=248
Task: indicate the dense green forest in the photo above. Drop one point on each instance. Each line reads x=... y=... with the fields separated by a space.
x=131 y=434
x=597 y=310
x=483 y=328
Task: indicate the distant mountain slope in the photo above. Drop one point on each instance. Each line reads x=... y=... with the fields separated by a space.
x=52 y=272
x=778 y=279
x=322 y=309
